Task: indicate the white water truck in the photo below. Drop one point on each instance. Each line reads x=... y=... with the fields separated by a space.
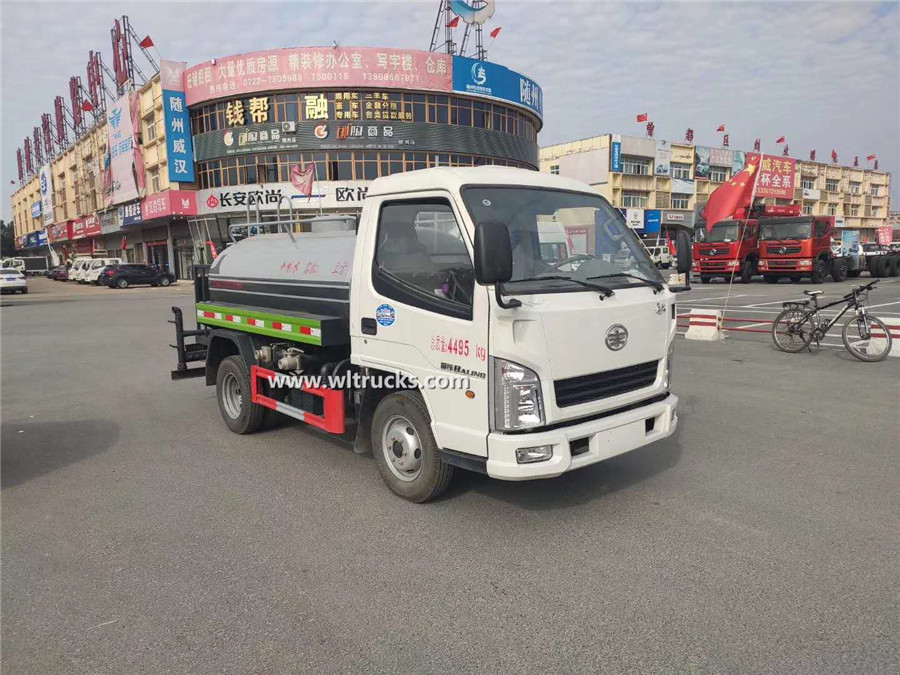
x=563 y=363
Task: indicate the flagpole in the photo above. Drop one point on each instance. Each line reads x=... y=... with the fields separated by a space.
x=744 y=227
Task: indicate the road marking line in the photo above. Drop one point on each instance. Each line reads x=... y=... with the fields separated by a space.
x=721 y=297
x=885 y=304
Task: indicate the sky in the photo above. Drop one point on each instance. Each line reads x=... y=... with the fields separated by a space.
x=826 y=75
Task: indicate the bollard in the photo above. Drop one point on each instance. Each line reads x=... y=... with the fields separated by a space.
x=705 y=324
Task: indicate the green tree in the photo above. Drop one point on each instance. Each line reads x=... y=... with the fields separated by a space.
x=7 y=240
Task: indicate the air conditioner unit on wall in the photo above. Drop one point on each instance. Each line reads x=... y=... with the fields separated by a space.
x=289 y=127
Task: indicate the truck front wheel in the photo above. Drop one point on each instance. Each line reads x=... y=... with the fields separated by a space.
x=241 y=415
x=746 y=271
x=819 y=270
x=405 y=450
x=839 y=269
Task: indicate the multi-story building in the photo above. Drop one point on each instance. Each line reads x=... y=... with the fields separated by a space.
x=658 y=182
x=249 y=125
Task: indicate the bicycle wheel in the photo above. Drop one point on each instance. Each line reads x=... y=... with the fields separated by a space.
x=792 y=330
x=868 y=340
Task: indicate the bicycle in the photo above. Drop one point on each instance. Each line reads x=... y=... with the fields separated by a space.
x=865 y=337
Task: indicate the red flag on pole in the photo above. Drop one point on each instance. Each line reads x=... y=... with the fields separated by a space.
x=642 y=117
x=146 y=43
x=124 y=242
x=780 y=140
x=721 y=127
x=834 y=156
x=870 y=158
x=731 y=196
x=212 y=249
x=303 y=180
x=496 y=32
x=87 y=106
x=454 y=23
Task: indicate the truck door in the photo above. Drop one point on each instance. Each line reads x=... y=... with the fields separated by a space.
x=415 y=309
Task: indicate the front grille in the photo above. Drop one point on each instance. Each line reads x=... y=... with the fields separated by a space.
x=784 y=250
x=722 y=250
x=584 y=388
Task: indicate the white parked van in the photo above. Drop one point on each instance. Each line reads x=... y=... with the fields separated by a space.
x=79 y=266
x=92 y=276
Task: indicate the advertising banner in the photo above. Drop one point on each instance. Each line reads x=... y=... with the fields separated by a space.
x=663 y=158
x=179 y=144
x=46 y=178
x=330 y=194
x=652 y=219
x=849 y=242
x=42 y=237
x=738 y=160
x=169 y=203
x=634 y=218
x=36 y=210
x=776 y=176
x=683 y=186
x=884 y=235
x=720 y=157
x=701 y=163
x=110 y=221
x=59 y=232
x=615 y=154
x=125 y=172
x=355 y=67
x=91 y=225
x=484 y=78
x=130 y=214
x=31 y=240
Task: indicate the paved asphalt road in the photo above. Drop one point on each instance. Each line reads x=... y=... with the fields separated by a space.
x=139 y=535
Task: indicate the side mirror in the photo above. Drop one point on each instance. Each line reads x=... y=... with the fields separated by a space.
x=493 y=254
x=683 y=249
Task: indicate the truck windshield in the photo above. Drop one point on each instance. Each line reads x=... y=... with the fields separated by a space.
x=770 y=231
x=563 y=235
x=723 y=232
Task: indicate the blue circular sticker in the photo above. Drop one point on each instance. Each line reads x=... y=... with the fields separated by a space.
x=385 y=315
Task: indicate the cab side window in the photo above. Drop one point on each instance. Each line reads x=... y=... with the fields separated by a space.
x=421 y=258
x=821 y=228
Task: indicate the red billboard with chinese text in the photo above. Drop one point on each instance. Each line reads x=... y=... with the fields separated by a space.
x=777 y=176
x=301 y=68
x=884 y=235
x=169 y=203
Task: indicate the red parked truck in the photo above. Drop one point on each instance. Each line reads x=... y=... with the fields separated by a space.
x=798 y=247
x=731 y=247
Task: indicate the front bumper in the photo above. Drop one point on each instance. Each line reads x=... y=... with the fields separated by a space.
x=603 y=438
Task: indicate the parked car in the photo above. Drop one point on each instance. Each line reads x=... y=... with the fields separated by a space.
x=92 y=276
x=132 y=274
x=58 y=273
x=661 y=256
x=78 y=268
x=12 y=281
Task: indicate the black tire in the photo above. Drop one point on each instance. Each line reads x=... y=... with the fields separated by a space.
x=746 y=271
x=121 y=283
x=770 y=278
x=705 y=278
x=874 y=265
x=241 y=415
x=432 y=476
x=792 y=330
x=819 y=271
x=895 y=266
x=839 y=269
x=24 y=291
x=853 y=326
x=165 y=281
x=852 y=274
x=796 y=279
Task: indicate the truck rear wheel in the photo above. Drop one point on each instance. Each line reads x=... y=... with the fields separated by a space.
x=746 y=271
x=895 y=266
x=875 y=266
x=241 y=415
x=770 y=278
x=819 y=270
x=839 y=269
x=405 y=450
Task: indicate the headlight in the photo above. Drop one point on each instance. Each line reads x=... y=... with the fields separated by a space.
x=518 y=403
x=667 y=375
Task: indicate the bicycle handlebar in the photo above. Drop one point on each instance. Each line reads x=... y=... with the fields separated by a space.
x=861 y=289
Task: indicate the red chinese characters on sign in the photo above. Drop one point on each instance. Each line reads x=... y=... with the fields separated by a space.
x=169 y=203
x=318 y=66
x=884 y=235
x=776 y=176
x=77 y=229
x=91 y=225
x=60 y=232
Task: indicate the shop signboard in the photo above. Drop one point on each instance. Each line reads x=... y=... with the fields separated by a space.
x=130 y=213
x=179 y=144
x=36 y=210
x=652 y=219
x=325 y=194
x=31 y=240
x=615 y=153
x=42 y=237
x=776 y=176
x=352 y=67
x=91 y=225
x=59 y=232
x=484 y=78
x=169 y=203
x=634 y=218
x=110 y=221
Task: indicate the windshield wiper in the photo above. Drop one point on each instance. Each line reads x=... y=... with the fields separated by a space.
x=607 y=292
x=647 y=282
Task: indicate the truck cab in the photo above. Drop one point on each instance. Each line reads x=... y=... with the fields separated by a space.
x=563 y=336
x=798 y=247
x=730 y=248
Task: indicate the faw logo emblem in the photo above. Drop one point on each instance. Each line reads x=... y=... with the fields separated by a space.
x=616 y=337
